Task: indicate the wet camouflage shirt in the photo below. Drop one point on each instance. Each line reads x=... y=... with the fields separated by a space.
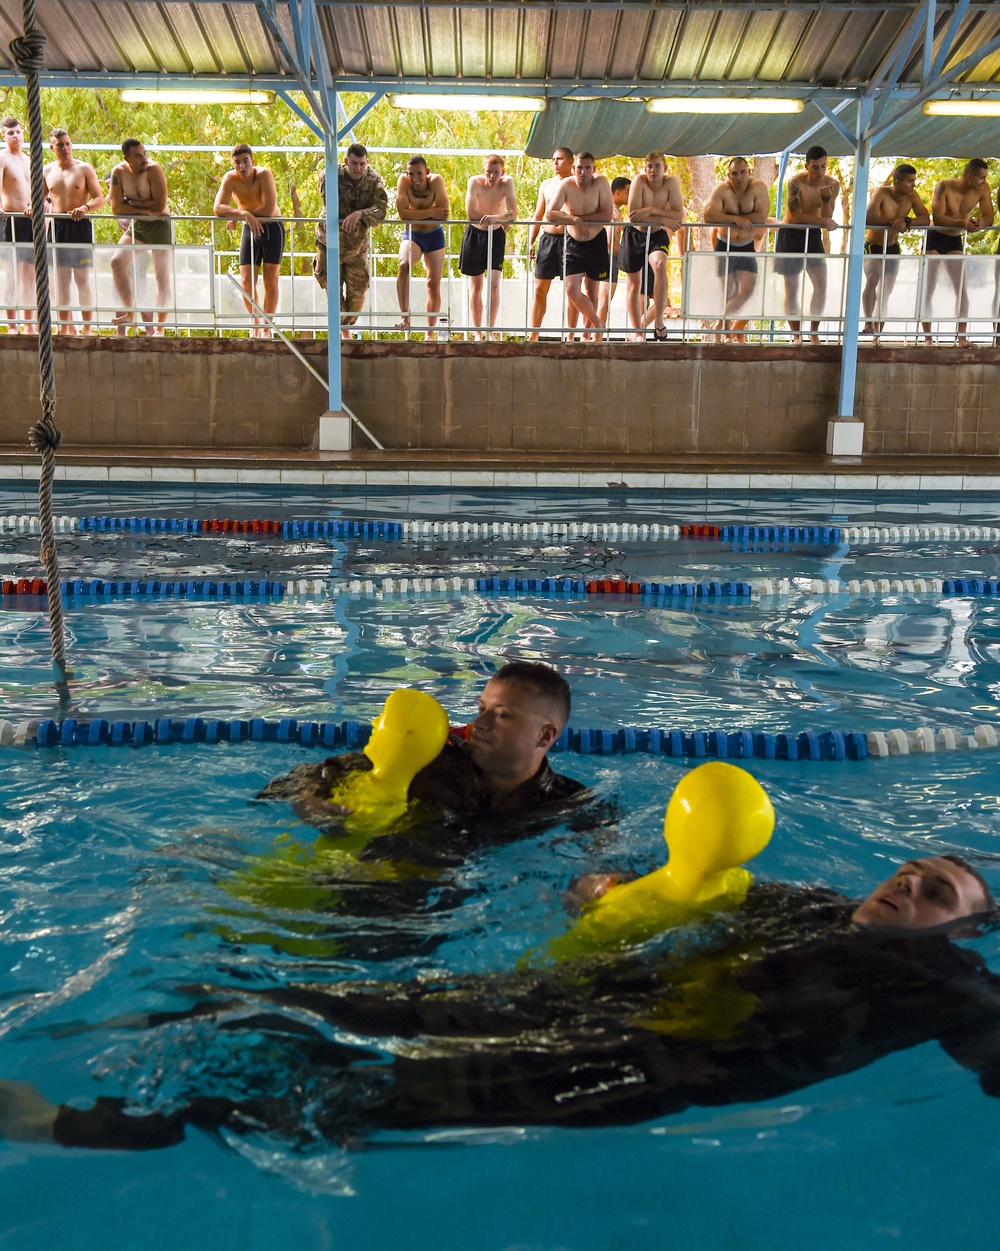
x=368 y=194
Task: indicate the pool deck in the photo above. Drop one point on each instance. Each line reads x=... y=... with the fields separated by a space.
x=421 y=468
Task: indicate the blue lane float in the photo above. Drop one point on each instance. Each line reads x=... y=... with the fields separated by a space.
x=626 y=740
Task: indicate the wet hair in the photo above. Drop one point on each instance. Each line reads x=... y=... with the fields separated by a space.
x=414 y=160
x=654 y=156
x=734 y=159
x=903 y=171
x=816 y=153
x=975 y=165
x=128 y=145
x=9 y=123
x=359 y=149
x=494 y=159
x=619 y=184
x=242 y=149
x=540 y=679
x=564 y=152
x=585 y=156
x=989 y=903
x=57 y=132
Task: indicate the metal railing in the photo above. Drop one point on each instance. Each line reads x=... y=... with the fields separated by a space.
x=187 y=287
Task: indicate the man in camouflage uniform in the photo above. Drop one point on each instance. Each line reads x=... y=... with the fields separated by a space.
x=362 y=203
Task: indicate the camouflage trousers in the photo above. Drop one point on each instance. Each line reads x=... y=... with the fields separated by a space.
x=354 y=277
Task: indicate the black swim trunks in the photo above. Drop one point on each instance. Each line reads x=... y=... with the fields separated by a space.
x=472 y=257
x=549 y=257
x=17 y=229
x=590 y=258
x=890 y=266
x=632 y=251
x=943 y=244
x=741 y=256
x=264 y=249
x=799 y=239
x=65 y=231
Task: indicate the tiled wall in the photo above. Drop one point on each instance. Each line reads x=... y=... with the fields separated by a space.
x=680 y=399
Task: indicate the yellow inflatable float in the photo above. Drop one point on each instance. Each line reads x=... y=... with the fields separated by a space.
x=718 y=817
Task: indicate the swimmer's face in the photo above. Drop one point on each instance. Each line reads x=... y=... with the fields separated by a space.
x=13 y=137
x=739 y=175
x=655 y=171
x=976 y=178
x=137 y=159
x=62 y=147
x=585 y=173
x=243 y=164
x=512 y=725
x=620 y=197
x=921 y=895
x=493 y=173
x=816 y=170
x=562 y=165
x=418 y=175
x=906 y=184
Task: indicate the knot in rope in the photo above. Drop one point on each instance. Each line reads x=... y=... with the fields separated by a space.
x=43 y=435
x=28 y=51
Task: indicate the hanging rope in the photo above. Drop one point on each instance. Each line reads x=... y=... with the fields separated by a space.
x=28 y=53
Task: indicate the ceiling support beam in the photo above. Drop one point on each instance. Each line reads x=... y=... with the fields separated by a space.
x=855 y=265
x=362 y=113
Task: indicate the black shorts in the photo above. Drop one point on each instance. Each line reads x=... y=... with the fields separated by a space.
x=265 y=249
x=799 y=239
x=741 y=256
x=889 y=267
x=472 y=256
x=66 y=231
x=590 y=258
x=943 y=244
x=632 y=250
x=17 y=229
x=549 y=257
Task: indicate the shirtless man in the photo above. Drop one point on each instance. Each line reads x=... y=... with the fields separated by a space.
x=740 y=208
x=549 y=255
x=894 y=208
x=139 y=200
x=655 y=209
x=421 y=202
x=958 y=205
x=490 y=200
x=811 y=202
x=71 y=188
x=15 y=201
x=584 y=205
x=263 y=238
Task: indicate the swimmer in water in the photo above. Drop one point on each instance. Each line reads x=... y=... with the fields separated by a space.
x=796 y=987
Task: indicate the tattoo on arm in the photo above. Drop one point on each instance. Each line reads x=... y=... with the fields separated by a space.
x=794 y=199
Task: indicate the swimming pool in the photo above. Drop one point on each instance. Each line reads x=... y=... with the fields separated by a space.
x=121 y=870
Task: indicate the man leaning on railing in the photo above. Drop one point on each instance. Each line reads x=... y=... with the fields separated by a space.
x=138 y=196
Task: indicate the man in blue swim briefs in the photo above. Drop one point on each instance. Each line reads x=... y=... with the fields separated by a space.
x=584 y=205
x=73 y=192
x=809 y=208
x=262 y=240
x=422 y=203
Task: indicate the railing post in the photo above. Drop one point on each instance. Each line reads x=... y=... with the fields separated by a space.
x=334 y=424
x=845 y=434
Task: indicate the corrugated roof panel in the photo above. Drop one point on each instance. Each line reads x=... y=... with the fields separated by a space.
x=379 y=26
x=159 y=37
x=692 y=43
x=566 y=40
x=535 y=33
x=411 y=37
x=874 y=46
x=441 y=32
x=62 y=35
x=986 y=26
x=474 y=32
x=506 y=59
x=131 y=50
x=627 y=53
x=10 y=28
x=660 y=44
x=723 y=46
x=188 y=30
x=221 y=35
x=924 y=138
x=815 y=48
x=787 y=38
x=258 y=46
x=598 y=44
x=753 y=46
x=857 y=40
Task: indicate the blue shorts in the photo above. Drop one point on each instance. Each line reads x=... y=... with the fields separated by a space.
x=426 y=240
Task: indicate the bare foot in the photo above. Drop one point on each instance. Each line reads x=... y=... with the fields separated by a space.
x=962 y=341
x=814 y=340
x=404 y=323
x=121 y=323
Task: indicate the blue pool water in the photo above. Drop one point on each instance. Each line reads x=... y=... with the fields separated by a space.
x=123 y=872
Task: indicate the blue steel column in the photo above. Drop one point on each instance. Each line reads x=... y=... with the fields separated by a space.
x=333 y=268
x=855 y=264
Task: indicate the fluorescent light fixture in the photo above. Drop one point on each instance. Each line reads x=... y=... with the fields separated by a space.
x=962 y=108
x=470 y=104
x=181 y=95
x=722 y=104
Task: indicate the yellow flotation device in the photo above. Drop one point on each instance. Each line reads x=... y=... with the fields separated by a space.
x=718 y=817
x=407 y=735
